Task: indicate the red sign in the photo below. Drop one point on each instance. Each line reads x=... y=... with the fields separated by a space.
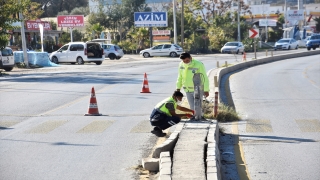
x=253 y=33
x=34 y=25
x=70 y=21
x=161 y=32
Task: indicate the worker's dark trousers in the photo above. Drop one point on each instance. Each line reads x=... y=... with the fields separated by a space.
x=162 y=120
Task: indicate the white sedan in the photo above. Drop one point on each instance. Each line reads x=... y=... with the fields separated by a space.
x=171 y=50
x=286 y=43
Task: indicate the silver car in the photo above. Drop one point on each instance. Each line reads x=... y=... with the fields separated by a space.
x=233 y=47
x=172 y=50
x=112 y=51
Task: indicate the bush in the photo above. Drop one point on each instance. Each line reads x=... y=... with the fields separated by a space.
x=225 y=113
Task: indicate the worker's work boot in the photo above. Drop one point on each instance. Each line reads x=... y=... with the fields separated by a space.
x=158 y=132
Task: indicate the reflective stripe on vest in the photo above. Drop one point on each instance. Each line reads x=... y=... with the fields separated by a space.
x=161 y=107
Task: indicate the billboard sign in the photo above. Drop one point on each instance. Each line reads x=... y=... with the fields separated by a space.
x=34 y=25
x=161 y=32
x=267 y=22
x=70 y=21
x=295 y=15
x=150 y=19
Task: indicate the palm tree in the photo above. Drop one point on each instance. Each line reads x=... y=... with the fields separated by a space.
x=139 y=37
x=96 y=28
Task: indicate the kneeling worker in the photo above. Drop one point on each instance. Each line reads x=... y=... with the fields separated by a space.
x=164 y=114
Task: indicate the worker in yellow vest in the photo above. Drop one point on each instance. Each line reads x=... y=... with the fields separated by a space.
x=164 y=114
x=187 y=68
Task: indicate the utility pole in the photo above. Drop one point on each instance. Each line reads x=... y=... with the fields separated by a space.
x=182 y=23
x=23 y=37
x=174 y=22
x=239 y=9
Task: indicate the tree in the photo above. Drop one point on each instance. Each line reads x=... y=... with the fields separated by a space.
x=66 y=38
x=317 y=23
x=61 y=5
x=80 y=11
x=9 y=14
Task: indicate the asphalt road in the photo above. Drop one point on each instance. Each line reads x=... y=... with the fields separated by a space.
x=280 y=106
x=44 y=135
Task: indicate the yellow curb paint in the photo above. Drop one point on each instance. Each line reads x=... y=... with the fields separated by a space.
x=239 y=154
x=238 y=150
x=306 y=75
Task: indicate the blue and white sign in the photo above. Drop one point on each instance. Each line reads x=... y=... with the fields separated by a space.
x=150 y=19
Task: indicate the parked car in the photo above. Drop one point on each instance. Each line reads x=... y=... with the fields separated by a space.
x=6 y=56
x=286 y=43
x=78 y=52
x=233 y=47
x=172 y=50
x=313 y=42
x=111 y=51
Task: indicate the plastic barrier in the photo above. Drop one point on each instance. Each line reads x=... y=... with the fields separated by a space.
x=34 y=58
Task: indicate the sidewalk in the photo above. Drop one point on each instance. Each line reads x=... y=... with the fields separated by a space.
x=194 y=155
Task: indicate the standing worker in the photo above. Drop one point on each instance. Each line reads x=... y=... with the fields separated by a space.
x=164 y=114
x=187 y=68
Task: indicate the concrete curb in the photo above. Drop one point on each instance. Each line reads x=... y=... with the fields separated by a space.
x=213 y=153
x=165 y=166
x=169 y=144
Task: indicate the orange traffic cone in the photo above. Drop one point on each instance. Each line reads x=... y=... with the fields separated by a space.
x=244 y=56
x=93 y=106
x=145 y=86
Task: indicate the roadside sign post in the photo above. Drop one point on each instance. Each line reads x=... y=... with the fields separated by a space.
x=254 y=33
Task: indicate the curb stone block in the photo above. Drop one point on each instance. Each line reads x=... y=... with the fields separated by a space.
x=165 y=165
x=164 y=154
x=212 y=176
x=151 y=164
x=165 y=171
x=165 y=177
x=165 y=159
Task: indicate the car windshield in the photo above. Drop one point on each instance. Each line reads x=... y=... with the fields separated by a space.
x=314 y=37
x=284 y=41
x=6 y=52
x=231 y=44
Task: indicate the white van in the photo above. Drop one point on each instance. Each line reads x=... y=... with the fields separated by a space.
x=6 y=55
x=78 y=52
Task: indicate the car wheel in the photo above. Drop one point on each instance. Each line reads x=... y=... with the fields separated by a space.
x=80 y=60
x=173 y=54
x=55 y=60
x=314 y=48
x=112 y=56
x=309 y=49
x=146 y=55
x=237 y=51
x=98 y=62
x=8 y=68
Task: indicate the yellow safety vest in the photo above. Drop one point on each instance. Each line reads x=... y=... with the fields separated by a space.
x=161 y=106
x=186 y=72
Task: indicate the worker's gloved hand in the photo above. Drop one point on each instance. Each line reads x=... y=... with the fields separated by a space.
x=193 y=112
x=188 y=115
